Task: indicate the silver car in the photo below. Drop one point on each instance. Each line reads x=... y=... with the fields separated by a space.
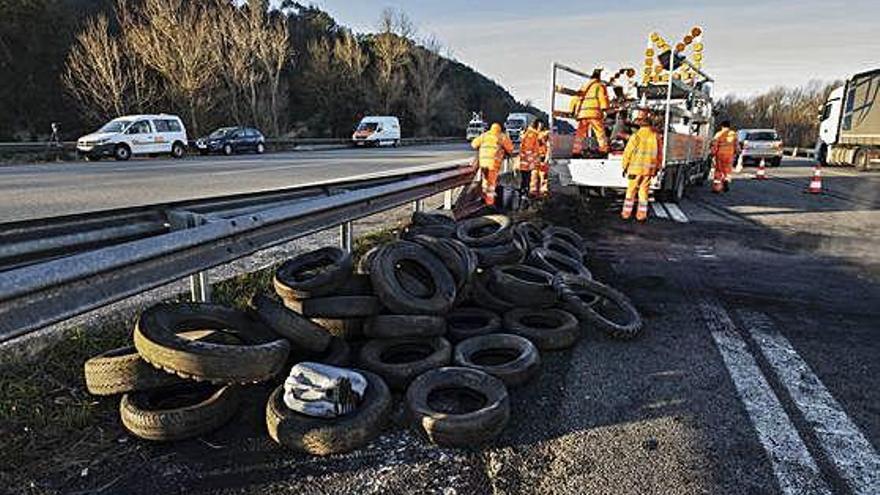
x=756 y=144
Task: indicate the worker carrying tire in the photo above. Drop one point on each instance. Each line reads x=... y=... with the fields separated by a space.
x=589 y=109
x=641 y=161
x=530 y=155
x=540 y=187
x=493 y=145
x=724 y=146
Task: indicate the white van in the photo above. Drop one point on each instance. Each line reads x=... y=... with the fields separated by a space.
x=135 y=135
x=377 y=131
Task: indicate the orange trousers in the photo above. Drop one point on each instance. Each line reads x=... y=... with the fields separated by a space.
x=580 y=136
x=489 y=181
x=641 y=185
x=723 y=169
x=539 y=185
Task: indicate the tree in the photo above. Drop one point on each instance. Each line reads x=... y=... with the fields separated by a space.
x=391 y=49
x=428 y=90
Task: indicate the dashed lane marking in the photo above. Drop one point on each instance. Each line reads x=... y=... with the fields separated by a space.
x=676 y=213
x=844 y=444
x=659 y=210
x=795 y=469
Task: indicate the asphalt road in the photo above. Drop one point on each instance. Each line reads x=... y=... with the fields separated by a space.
x=757 y=373
x=47 y=190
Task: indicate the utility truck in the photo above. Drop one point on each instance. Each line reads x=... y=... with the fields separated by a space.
x=682 y=99
x=849 y=123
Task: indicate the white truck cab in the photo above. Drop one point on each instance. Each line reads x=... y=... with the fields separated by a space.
x=123 y=137
x=377 y=131
x=517 y=123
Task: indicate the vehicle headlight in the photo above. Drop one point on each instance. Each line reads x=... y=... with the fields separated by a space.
x=102 y=140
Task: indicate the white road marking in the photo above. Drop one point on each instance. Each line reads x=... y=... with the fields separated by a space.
x=843 y=442
x=795 y=469
x=676 y=213
x=659 y=211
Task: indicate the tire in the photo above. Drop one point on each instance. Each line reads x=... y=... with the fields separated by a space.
x=404 y=326
x=524 y=285
x=510 y=358
x=341 y=307
x=122 y=153
x=861 y=160
x=422 y=219
x=438 y=231
x=448 y=255
x=629 y=328
x=300 y=331
x=406 y=256
x=488 y=230
x=469 y=428
x=122 y=370
x=510 y=253
x=178 y=150
x=529 y=235
x=325 y=436
x=558 y=245
x=338 y=353
x=466 y=323
x=365 y=262
x=481 y=296
x=294 y=279
x=556 y=263
x=343 y=328
x=261 y=148
x=567 y=235
x=195 y=409
x=356 y=285
x=227 y=150
x=259 y=358
x=399 y=361
x=576 y=296
x=548 y=329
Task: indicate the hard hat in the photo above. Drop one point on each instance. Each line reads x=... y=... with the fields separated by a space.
x=496 y=128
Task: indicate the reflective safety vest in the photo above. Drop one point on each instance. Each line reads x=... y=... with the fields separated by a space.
x=529 y=141
x=593 y=101
x=543 y=140
x=492 y=148
x=724 y=145
x=642 y=153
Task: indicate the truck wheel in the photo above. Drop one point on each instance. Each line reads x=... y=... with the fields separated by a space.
x=861 y=160
x=122 y=153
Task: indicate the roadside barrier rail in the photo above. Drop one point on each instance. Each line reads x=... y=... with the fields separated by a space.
x=54 y=269
x=804 y=152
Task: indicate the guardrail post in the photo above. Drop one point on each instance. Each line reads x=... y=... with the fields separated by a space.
x=418 y=205
x=199 y=285
x=447 y=200
x=345 y=236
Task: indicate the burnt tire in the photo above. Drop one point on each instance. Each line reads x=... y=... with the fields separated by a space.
x=628 y=323
x=122 y=370
x=179 y=412
x=313 y=274
x=465 y=323
x=343 y=328
x=509 y=253
x=418 y=263
x=566 y=235
x=299 y=330
x=529 y=235
x=341 y=307
x=487 y=230
x=399 y=361
x=563 y=247
x=524 y=285
x=404 y=326
x=470 y=426
x=548 y=329
x=482 y=296
x=325 y=436
x=259 y=357
x=557 y=264
x=510 y=358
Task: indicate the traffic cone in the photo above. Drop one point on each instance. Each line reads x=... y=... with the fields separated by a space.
x=816 y=181
x=761 y=174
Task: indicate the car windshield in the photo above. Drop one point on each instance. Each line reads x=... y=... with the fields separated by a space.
x=368 y=126
x=515 y=124
x=762 y=136
x=219 y=133
x=115 y=126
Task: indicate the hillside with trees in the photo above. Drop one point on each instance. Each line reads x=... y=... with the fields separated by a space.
x=290 y=71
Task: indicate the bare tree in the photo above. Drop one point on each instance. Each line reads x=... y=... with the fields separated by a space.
x=272 y=51
x=428 y=91
x=391 y=47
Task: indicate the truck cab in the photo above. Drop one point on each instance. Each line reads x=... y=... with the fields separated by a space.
x=516 y=123
x=849 y=123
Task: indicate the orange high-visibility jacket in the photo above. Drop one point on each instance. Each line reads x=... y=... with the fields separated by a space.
x=530 y=141
x=593 y=101
x=642 y=155
x=724 y=145
x=492 y=148
x=543 y=141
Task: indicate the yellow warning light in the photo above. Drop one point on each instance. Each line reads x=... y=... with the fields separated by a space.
x=698 y=47
x=649 y=62
x=649 y=52
x=698 y=57
x=654 y=37
x=658 y=69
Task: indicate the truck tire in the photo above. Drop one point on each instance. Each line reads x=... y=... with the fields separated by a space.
x=180 y=412
x=626 y=328
x=122 y=370
x=469 y=426
x=325 y=436
x=489 y=230
x=399 y=361
x=313 y=274
x=260 y=356
x=548 y=329
x=299 y=330
x=404 y=326
x=464 y=323
x=406 y=256
x=510 y=358
x=862 y=160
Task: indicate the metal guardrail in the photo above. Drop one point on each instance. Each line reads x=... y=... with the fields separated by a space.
x=804 y=152
x=54 y=269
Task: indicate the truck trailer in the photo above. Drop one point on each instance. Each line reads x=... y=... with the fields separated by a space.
x=849 y=124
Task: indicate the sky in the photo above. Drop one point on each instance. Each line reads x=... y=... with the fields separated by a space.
x=751 y=45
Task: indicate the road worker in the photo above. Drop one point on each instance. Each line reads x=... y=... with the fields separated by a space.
x=493 y=145
x=589 y=109
x=641 y=161
x=539 y=187
x=724 y=151
x=529 y=155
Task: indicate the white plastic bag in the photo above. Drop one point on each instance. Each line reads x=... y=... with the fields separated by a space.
x=323 y=391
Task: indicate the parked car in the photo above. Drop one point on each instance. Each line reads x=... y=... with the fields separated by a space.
x=229 y=140
x=756 y=144
x=135 y=135
x=377 y=131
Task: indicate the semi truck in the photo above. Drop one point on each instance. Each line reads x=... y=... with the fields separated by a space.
x=686 y=109
x=849 y=123
x=516 y=123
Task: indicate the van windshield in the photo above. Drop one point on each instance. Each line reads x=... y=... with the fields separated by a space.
x=762 y=136
x=368 y=126
x=115 y=126
x=515 y=124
